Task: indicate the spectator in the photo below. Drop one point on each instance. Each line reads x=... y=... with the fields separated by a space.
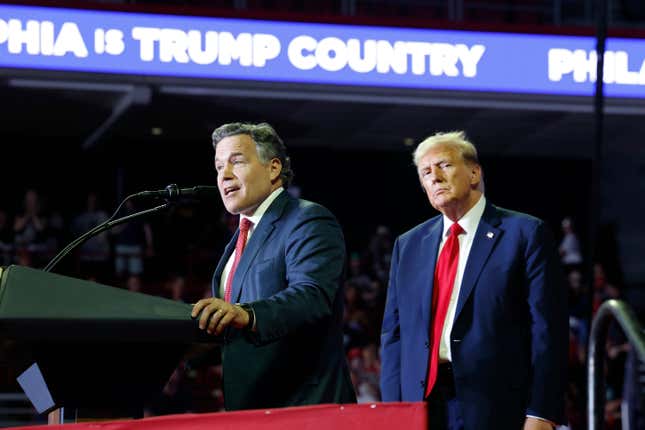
x=602 y=288
x=371 y=364
x=569 y=248
x=55 y=232
x=30 y=229
x=176 y=286
x=132 y=242
x=355 y=320
x=357 y=275
x=134 y=284
x=365 y=367
x=380 y=251
x=93 y=255
x=578 y=315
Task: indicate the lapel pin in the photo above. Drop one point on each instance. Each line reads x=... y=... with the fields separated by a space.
x=490 y=234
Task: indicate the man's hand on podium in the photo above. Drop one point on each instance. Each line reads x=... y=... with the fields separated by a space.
x=216 y=315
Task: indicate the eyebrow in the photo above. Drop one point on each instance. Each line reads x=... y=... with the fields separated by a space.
x=234 y=154
x=434 y=163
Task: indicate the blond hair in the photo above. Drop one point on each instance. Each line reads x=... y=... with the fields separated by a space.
x=455 y=139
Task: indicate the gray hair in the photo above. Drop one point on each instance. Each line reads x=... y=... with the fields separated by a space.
x=453 y=139
x=267 y=143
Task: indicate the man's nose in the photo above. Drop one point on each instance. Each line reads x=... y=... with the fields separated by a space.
x=227 y=171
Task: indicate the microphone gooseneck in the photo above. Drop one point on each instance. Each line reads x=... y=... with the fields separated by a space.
x=173 y=193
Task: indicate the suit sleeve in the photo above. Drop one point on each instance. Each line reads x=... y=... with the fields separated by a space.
x=315 y=257
x=391 y=338
x=549 y=327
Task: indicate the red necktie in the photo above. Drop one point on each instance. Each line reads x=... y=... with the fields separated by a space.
x=245 y=225
x=444 y=280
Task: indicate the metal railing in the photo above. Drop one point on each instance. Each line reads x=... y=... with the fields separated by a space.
x=635 y=334
x=16 y=410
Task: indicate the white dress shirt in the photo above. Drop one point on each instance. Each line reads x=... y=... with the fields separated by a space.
x=469 y=223
x=255 y=219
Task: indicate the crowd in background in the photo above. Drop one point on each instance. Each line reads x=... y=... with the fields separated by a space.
x=129 y=256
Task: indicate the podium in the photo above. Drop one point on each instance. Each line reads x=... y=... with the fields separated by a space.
x=88 y=346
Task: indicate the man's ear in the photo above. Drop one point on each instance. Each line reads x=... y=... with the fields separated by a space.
x=475 y=174
x=276 y=169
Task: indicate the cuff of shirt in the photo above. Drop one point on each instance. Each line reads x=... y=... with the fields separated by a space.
x=543 y=419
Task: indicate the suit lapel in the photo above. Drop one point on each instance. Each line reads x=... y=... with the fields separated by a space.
x=429 y=249
x=486 y=237
x=217 y=276
x=257 y=241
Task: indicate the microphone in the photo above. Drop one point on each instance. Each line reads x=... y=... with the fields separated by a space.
x=172 y=192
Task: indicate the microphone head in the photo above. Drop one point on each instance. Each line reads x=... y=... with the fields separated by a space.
x=173 y=192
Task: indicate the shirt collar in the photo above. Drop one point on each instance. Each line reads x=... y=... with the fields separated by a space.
x=468 y=222
x=257 y=215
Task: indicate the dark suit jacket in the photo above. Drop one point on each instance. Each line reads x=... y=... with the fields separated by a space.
x=509 y=337
x=290 y=273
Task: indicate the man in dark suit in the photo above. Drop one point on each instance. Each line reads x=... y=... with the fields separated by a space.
x=277 y=297
x=475 y=321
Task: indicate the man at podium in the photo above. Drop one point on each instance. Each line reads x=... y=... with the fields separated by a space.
x=277 y=296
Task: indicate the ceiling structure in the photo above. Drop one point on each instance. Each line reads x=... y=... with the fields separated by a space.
x=90 y=114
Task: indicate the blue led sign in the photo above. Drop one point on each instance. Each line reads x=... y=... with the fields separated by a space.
x=186 y=46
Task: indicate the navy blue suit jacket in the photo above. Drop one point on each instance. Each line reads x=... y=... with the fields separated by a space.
x=509 y=336
x=290 y=273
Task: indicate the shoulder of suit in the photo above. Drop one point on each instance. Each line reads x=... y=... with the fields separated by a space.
x=515 y=217
x=520 y=223
x=305 y=208
x=421 y=229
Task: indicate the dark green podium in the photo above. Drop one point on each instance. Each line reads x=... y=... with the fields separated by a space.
x=88 y=346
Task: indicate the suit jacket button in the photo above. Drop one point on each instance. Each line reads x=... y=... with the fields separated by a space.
x=427 y=344
x=422 y=383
